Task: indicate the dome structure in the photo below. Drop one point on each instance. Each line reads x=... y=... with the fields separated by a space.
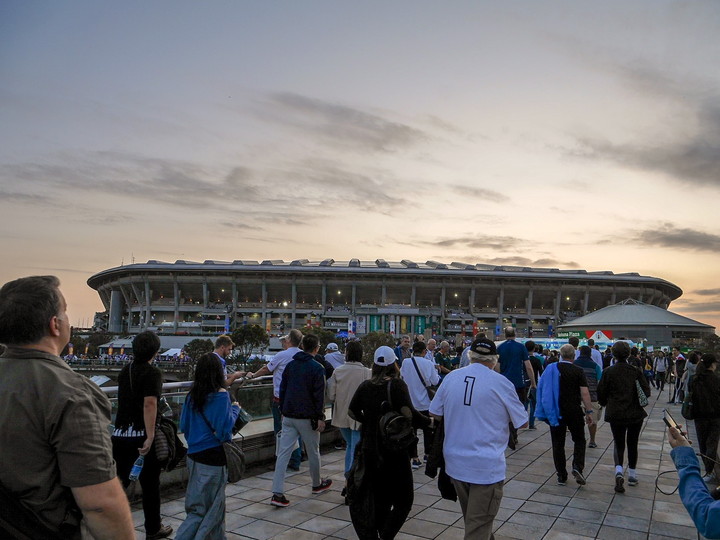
x=638 y=321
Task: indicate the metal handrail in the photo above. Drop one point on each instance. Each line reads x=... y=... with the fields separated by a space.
x=187 y=384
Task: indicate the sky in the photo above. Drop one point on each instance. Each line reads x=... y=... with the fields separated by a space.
x=564 y=134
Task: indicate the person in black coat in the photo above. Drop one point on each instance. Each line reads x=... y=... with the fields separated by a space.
x=617 y=392
x=381 y=503
x=705 y=390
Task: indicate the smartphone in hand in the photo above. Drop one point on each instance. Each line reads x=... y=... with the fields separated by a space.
x=670 y=422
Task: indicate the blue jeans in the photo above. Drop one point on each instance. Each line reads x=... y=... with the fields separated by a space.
x=296 y=456
x=352 y=437
x=204 y=503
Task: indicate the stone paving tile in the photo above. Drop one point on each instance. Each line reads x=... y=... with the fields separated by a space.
x=517 y=530
x=572 y=526
x=421 y=528
x=533 y=520
x=287 y=516
x=676 y=531
x=296 y=534
x=541 y=508
x=442 y=517
x=615 y=533
x=323 y=524
x=626 y=522
x=261 y=530
x=580 y=514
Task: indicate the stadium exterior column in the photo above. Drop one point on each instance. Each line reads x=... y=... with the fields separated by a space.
x=176 y=298
x=148 y=312
x=294 y=301
x=264 y=303
x=558 y=299
x=234 y=304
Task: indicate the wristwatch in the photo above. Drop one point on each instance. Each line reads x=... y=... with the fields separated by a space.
x=589 y=412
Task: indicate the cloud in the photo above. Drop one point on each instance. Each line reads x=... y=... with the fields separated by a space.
x=338 y=125
x=692 y=156
x=707 y=292
x=241 y=226
x=700 y=307
x=480 y=193
x=23 y=198
x=479 y=241
x=669 y=236
x=537 y=263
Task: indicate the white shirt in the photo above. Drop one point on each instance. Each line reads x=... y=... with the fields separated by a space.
x=430 y=355
x=418 y=393
x=594 y=354
x=336 y=359
x=277 y=366
x=477 y=404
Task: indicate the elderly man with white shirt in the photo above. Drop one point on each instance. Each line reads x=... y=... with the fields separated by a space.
x=334 y=356
x=419 y=373
x=276 y=366
x=480 y=397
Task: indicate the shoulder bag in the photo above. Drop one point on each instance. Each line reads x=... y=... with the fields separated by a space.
x=430 y=390
x=233 y=455
x=642 y=398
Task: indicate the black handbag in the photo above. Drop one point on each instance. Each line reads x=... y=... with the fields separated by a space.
x=234 y=456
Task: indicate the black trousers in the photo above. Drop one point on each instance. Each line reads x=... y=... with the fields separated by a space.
x=708 y=434
x=522 y=394
x=577 y=432
x=125 y=452
x=428 y=437
x=621 y=433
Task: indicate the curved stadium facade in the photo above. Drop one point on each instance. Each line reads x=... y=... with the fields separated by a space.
x=193 y=298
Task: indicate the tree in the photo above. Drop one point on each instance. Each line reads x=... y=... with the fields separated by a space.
x=372 y=341
x=94 y=342
x=324 y=336
x=249 y=337
x=197 y=347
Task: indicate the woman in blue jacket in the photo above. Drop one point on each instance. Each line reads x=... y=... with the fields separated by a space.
x=207 y=419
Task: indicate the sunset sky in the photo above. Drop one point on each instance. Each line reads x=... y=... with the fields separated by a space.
x=555 y=134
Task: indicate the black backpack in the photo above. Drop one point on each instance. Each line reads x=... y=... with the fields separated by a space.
x=396 y=433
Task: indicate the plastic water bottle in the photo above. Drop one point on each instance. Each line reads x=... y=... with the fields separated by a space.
x=136 y=468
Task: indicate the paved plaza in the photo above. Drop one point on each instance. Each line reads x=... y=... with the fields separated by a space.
x=533 y=505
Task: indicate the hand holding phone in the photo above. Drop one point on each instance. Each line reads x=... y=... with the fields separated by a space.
x=676 y=436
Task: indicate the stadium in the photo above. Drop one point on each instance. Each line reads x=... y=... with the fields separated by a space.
x=188 y=298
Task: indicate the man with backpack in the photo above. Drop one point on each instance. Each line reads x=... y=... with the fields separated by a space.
x=479 y=397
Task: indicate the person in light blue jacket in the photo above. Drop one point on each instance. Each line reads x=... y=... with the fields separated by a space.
x=700 y=503
x=207 y=420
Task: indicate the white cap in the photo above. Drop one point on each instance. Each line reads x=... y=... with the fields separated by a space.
x=331 y=347
x=384 y=356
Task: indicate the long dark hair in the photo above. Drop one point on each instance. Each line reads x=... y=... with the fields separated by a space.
x=209 y=378
x=379 y=373
x=353 y=352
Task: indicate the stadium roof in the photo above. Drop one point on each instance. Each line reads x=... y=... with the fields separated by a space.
x=633 y=313
x=382 y=266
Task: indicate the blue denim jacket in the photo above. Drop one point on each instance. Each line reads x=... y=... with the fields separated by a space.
x=704 y=511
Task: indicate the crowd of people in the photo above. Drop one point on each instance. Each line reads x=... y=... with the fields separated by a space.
x=68 y=472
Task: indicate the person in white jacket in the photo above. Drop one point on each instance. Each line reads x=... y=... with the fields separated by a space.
x=340 y=390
